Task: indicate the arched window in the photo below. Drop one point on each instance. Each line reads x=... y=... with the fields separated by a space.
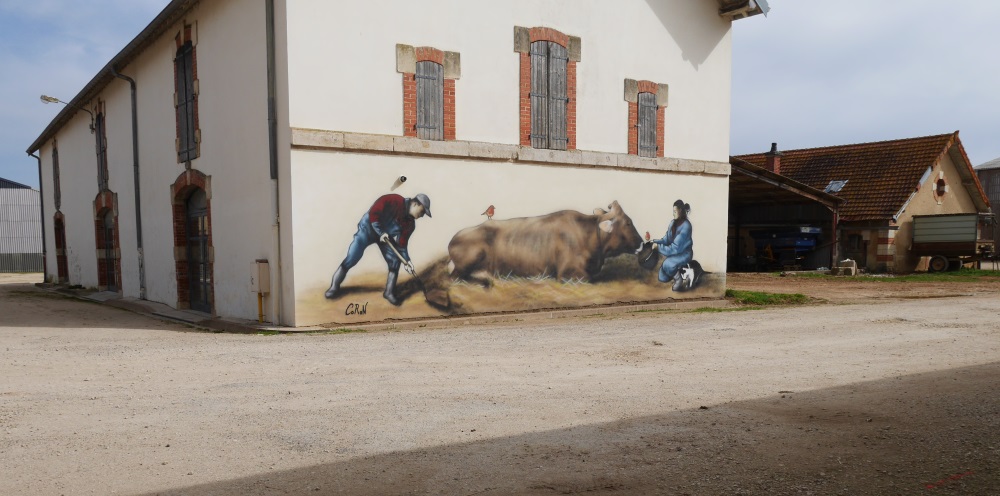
x=62 y=265
x=199 y=273
x=108 y=256
x=194 y=258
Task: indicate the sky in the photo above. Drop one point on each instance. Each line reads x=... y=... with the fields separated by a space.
x=812 y=73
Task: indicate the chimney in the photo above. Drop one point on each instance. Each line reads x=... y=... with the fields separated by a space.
x=773 y=163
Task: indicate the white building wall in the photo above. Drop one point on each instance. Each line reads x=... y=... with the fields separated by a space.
x=342 y=66
x=231 y=69
x=78 y=178
x=48 y=210
x=232 y=106
x=118 y=121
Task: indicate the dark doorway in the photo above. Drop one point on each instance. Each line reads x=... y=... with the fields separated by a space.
x=109 y=250
x=200 y=277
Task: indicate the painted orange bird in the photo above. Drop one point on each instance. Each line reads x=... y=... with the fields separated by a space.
x=489 y=212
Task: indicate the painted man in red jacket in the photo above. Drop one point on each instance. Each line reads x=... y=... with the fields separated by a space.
x=391 y=217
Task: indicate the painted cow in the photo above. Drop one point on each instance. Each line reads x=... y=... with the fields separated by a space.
x=567 y=245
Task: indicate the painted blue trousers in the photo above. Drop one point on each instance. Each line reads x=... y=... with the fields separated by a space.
x=365 y=237
x=673 y=263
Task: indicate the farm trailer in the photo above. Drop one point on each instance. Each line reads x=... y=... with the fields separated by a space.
x=952 y=239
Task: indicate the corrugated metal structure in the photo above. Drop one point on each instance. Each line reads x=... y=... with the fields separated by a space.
x=989 y=177
x=20 y=228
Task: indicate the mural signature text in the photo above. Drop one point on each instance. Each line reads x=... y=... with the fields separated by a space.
x=356 y=309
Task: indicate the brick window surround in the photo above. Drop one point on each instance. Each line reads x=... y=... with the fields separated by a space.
x=186 y=94
x=406 y=64
x=62 y=264
x=107 y=201
x=523 y=38
x=187 y=183
x=632 y=90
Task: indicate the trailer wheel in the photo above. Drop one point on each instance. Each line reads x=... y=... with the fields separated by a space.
x=937 y=264
x=955 y=264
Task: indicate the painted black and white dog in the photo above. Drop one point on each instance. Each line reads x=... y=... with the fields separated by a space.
x=691 y=275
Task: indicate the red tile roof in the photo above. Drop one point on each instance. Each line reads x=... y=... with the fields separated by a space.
x=880 y=176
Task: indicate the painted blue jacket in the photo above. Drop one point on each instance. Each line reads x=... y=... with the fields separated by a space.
x=678 y=244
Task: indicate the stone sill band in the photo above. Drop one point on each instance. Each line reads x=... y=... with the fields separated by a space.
x=315 y=139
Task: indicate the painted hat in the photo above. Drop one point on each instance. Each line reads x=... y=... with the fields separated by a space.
x=426 y=202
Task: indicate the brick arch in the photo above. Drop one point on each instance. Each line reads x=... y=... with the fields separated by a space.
x=62 y=264
x=548 y=34
x=181 y=190
x=423 y=54
x=107 y=201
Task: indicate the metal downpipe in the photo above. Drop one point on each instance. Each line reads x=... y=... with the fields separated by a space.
x=272 y=139
x=135 y=176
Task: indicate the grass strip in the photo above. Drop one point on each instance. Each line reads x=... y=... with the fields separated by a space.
x=761 y=299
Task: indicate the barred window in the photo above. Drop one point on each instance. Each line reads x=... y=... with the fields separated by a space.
x=102 y=152
x=56 y=188
x=185 y=103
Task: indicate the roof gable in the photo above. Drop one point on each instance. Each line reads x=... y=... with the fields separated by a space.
x=881 y=176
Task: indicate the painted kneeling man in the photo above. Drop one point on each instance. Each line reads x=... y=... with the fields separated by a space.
x=676 y=246
x=391 y=219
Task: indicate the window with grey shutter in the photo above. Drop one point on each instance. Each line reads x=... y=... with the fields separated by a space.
x=56 y=188
x=187 y=148
x=647 y=125
x=102 y=152
x=548 y=95
x=430 y=100
x=558 y=96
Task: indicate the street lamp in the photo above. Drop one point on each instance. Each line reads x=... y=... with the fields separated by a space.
x=52 y=99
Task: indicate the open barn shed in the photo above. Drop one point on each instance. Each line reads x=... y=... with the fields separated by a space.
x=778 y=223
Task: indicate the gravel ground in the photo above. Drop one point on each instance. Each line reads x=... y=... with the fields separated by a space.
x=897 y=395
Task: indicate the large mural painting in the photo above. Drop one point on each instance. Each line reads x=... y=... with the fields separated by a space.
x=549 y=260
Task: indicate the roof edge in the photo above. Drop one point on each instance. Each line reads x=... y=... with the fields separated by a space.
x=8 y=184
x=942 y=136
x=990 y=165
x=973 y=180
x=167 y=17
x=823 y=197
